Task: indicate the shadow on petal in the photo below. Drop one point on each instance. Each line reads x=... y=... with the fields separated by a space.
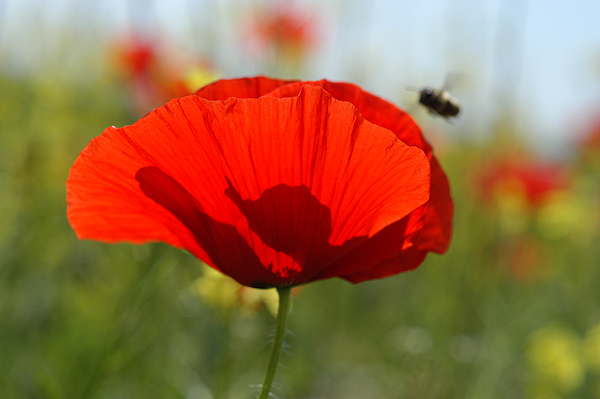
x=288 y=220
x=293 y=221
x=222 y=242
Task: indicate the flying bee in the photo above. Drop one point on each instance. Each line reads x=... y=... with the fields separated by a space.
x=439 y=102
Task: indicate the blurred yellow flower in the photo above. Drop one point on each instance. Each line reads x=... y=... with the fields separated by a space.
x=225 y=294
x=591 y=349
x=199 y=76
x=569 y=216
x=513 y=216
x=556 y=360
x=544 y=393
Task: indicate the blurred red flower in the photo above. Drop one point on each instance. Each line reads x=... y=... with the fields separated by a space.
x=283 y=28
x=136 y=57
x=274 y=183
x=591 y=140
x=533 y=181
x=154 y=77
x=588 y=144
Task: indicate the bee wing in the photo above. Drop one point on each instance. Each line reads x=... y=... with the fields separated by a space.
x=453 y=80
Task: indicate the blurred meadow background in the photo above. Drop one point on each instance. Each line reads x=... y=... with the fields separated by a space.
x=511 y=311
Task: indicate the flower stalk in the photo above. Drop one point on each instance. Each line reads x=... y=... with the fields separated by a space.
x=285 y=303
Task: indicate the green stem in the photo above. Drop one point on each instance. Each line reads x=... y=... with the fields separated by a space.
x=285 y=302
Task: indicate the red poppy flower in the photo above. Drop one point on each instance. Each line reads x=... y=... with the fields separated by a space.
x=274 y=183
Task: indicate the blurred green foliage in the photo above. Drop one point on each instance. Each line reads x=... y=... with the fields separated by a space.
x=80 y=319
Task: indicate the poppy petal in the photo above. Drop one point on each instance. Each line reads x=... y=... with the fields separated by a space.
x=241 y=88
x=386 y=247
x=199 y=174
x=409 y=259
x=437 y=231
